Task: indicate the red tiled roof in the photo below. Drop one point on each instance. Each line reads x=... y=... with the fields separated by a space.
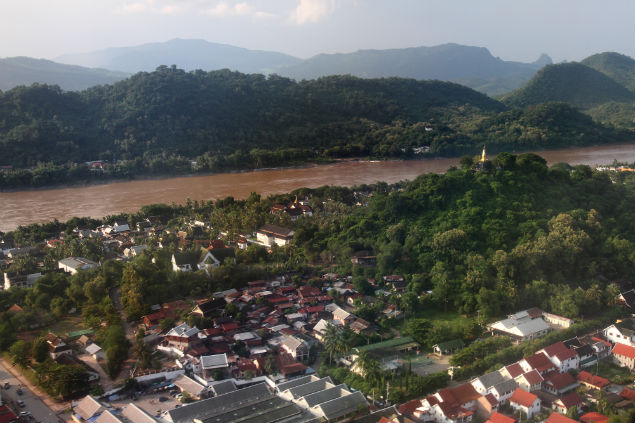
x=628 y=394
x=556 y=348
x=539 y=362
x=276 y=300
x=571 y=400
x=309 y=291
x=596 y=339
x=514 y=370
x=594 y=417
x=597 y=381
x=534 y=312
x=292 y=368
x=533 y=377
x=624 y=350
x=565 y=355
x=559 y=380
x=409 y=407
x=315 y=309
x=446 y=396
x=227 y=327
x=522 y=397
x=465 y=393
x=491 y=399
x=559 y=418
x=497 y=417
x=220 y=348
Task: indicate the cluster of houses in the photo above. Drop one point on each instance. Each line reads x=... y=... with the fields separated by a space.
x=538 y=383
x=281 y=323
x=121 y=242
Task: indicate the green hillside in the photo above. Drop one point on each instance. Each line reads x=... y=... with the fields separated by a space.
x=155 y=123
x=616 y=66
x=572 y=83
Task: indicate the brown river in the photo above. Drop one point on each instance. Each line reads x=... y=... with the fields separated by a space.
x=37 y=206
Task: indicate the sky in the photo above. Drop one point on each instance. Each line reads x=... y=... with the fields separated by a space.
x=517 y=30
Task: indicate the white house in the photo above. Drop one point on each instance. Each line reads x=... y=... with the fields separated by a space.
x=563 y=357
x=271 y=234
x=75 y=264
x=526 y=402
x=95 y=351
x=619 y=335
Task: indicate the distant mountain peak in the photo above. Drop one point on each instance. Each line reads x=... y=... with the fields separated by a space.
x=543 y=60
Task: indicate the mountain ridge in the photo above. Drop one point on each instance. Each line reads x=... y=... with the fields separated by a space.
x=22 y=70
x=180 y=52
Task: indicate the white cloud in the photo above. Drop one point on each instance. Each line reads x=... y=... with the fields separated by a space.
x=163 y=7
x=224 y=9
x=132 y=8
x=310 y=11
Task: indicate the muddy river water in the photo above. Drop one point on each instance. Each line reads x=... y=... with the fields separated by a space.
x=36 y=206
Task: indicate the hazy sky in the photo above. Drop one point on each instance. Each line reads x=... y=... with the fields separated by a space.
x=511 y=29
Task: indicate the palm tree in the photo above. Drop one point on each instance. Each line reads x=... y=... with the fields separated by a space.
x=368 y=366
x=334 y=341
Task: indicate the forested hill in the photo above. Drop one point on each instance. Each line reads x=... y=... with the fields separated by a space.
x=572 y=83
x=616 y=66
x=156 y=122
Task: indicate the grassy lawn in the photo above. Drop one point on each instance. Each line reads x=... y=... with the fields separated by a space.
x=612 y=371
x=67 y=324
x=437 y=316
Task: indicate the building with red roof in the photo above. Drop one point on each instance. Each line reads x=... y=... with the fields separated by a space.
x=539 y=362
x=229 y=327
x=559 y=383
x=592 y=381
x=449 y=405
x=512 y=371
x=628 y=394
x=594 y=417
x=559 y=418
x=308 y=291
x=568 y=402
x=553 y=349
x=497 y=417
x=624 y=356
x=526 y=402
x=530 y=381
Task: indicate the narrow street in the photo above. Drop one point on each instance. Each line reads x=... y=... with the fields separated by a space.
x=43 y=409
x=128 y=366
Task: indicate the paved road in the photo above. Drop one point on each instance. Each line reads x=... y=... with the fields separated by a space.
x=33 y=403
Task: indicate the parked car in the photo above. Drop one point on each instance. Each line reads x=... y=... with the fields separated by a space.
x=20 y=403
x=19 y=391
x=25 y=413
x=163 y=399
